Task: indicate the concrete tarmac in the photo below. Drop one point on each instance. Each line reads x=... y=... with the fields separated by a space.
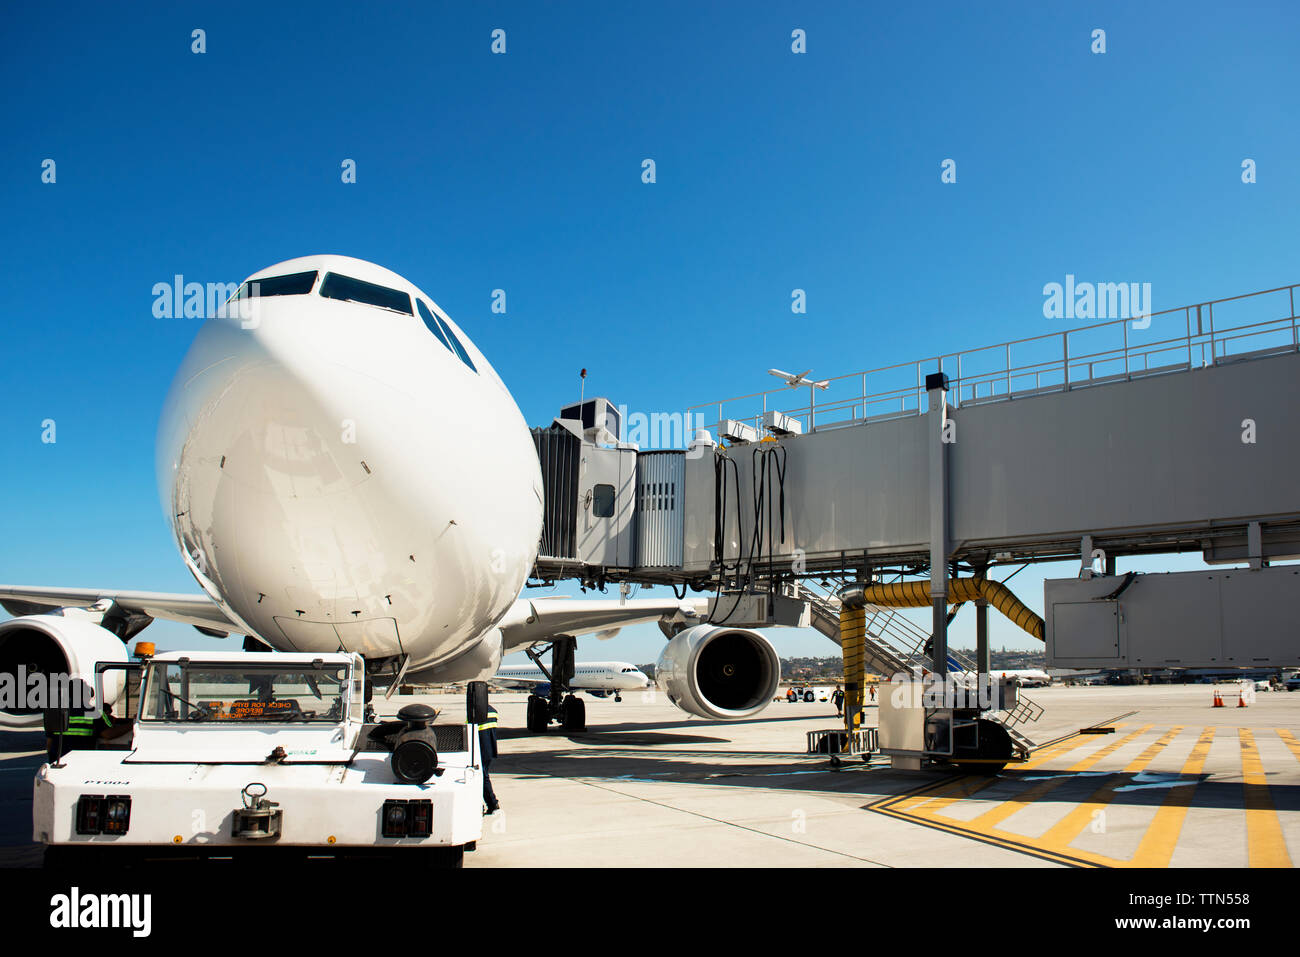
x=1175 y=783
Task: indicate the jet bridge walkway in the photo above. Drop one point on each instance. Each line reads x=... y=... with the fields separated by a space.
x=1174 y=432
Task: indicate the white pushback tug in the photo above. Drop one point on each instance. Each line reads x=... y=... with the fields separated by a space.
x=232 y=753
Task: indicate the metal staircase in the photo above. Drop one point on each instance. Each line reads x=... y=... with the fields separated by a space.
x=895 y=644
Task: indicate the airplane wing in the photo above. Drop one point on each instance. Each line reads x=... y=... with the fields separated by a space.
x=198 y=610
x=538 y=620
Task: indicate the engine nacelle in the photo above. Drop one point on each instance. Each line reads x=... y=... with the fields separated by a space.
x=717 y=672
x=62 y=650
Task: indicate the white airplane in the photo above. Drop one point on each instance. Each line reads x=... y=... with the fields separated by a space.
x=1029 y=677
x=342 y=469
x=598 y=678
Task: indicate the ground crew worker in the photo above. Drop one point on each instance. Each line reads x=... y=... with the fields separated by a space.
x=838 y=698
x=873 y=693
x=487 y=745
x=80 y=734
x=789 y=694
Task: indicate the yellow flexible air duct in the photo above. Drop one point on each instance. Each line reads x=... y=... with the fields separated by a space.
x=853 y=646
x=917 y=595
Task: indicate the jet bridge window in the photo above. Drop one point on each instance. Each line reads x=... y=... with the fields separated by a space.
x=444 y=334
x=295 y=284
x=348 y=289
x=602 y=501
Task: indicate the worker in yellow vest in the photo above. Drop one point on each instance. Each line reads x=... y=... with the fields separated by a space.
x=487 y=744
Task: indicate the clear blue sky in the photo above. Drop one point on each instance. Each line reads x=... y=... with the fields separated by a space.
x=522 y=171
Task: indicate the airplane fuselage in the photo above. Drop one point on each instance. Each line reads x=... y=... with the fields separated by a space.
x=336 y=476
x=587 y=676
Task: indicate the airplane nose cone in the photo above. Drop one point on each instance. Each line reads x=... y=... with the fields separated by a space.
x=330 y=494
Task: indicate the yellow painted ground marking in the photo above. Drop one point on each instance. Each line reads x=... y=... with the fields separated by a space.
x=1072 y=825
x=943 y=796
x=1290 y=740
x=1158 y=844
x=1264 y=841
x=936 y=801
x=991 y=818
x=1055 y=751
x=962 y=788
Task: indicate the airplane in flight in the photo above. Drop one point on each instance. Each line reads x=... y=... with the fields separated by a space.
x=596 y=678
x=342 y=469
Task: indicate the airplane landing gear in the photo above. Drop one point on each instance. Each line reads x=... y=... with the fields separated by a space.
x=573 y=714
x=617 y=696
x=537 y=714
x=562 y=706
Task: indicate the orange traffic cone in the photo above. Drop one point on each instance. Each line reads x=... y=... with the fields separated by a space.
x=1241 y=699
x=1218 y=699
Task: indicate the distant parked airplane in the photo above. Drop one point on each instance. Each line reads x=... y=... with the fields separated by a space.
x=597 y=678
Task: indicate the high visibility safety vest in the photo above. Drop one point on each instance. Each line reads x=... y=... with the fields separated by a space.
x=490 y=722
x=83 y=726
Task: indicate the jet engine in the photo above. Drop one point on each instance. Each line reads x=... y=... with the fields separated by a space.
x=718 y=672
x=49 y=661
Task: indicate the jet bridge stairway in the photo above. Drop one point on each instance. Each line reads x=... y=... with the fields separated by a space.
x=896 y=645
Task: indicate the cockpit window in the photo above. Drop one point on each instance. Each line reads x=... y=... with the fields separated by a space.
x=444 y=334
x=348 y=289
x=295 y=284
x=432 y=322
x=460 y=349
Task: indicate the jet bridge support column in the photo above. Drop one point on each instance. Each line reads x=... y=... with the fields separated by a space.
x=936 y=386
x=983 y=661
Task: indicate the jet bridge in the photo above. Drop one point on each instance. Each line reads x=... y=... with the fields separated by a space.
x=1176 y=432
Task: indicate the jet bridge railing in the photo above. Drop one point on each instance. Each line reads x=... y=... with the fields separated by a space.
x=1173 y=340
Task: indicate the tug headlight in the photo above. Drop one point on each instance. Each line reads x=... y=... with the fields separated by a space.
x=97 y=814
x=406 y=818
x=394 y=819
x=117 y=815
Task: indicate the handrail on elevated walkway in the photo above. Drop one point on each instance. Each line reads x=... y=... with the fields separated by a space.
x=1151 y=345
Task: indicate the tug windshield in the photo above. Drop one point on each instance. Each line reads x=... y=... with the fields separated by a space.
x=200 y=691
